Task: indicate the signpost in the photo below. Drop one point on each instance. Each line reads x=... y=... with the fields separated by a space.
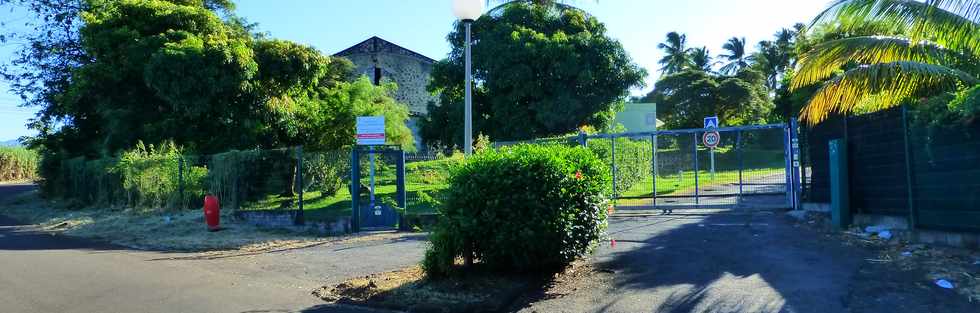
x=711 y=139
x=371 y=132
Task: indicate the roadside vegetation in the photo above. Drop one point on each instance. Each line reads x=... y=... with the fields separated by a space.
x=512 y=218
x=18 y=164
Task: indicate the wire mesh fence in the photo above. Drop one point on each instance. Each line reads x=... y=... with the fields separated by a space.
x=674 y=168
x=253 y=180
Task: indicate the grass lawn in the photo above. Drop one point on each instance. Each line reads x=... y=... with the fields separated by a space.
x=428 y=179
x=424 y=177
x=671 y=184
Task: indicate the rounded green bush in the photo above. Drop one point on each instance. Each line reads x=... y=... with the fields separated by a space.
x=521 y=208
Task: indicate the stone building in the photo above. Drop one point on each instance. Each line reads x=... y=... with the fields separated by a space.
x=380 y=60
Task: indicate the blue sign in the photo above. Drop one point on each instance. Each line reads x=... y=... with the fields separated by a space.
x=711 y=122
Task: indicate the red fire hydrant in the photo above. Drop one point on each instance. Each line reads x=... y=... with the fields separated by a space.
x=212 y=212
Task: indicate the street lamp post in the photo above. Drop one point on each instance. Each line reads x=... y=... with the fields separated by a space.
x=468 y=11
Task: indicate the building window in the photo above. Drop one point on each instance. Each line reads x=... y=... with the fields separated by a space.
x=377 y=76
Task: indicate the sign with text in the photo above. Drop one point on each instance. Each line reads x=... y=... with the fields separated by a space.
x=711 y=122
x=711 y=139
x=370 y=130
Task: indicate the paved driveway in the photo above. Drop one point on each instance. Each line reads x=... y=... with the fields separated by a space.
x=44 y=273
x=710 y=261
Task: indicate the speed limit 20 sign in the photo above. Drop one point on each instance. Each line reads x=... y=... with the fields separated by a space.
x=711 y=139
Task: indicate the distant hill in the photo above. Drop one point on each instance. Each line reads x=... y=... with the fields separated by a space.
x=10 y=143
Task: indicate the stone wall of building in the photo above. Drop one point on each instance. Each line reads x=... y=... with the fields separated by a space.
x=410 y=70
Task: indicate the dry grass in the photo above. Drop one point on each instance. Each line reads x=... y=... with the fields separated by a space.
x=474 y=291
x=167 y=231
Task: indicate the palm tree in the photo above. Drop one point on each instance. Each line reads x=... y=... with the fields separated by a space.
x=936 y=50
x=675 y=50
x=774 y=57
x=736 y=57
x=701 y=59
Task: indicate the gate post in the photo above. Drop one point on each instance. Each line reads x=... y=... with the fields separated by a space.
x=300 y=219
x=355 y=191
x=795 y=159
x=613 y=148
x=741 y=163
x=787 y=169
x=697 y=195
x=653 y=145
x=400 y=190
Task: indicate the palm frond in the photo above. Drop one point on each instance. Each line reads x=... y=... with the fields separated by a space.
x=950 y=23
x=888 y=83
x=826 y=58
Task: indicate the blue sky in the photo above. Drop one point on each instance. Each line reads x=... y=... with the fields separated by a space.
x=422 y=25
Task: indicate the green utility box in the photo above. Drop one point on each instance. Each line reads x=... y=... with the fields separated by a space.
x=840 y=209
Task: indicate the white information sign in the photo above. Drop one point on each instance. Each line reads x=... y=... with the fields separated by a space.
x=370 y=130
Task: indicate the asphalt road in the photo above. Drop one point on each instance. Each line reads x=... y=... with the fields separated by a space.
x=40 y=272
x=710 y=261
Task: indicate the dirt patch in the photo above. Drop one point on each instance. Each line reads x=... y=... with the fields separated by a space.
x=166 y=231
x=902 y=277
x=476 y=291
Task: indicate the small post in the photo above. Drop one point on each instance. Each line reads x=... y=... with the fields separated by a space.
x=180 y=181
x=840 y=210
x=653 y=144
x=371 y=177
x=741 y=162
x=300 y=218
x=615 y=193
x=712 y=164
x=795 y=170
x=913 y=214
x=401 y=194
x=697 y=193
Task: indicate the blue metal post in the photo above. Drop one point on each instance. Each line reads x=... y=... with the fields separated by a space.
x=615 y=193
x=697 y=192
x=741 y=161
x=795 y=149
x=355 y=191
x=653 y=145
x=401 y=195
x=787 y=170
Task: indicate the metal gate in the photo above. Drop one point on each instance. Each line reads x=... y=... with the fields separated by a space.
x=377 y=187
x=751 y=167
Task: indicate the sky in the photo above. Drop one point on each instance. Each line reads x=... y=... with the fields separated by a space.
x=422 y=25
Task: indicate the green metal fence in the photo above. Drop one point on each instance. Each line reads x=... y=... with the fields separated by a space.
x=902 y=166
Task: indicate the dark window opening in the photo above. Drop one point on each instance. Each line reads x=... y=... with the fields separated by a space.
x=377 y=76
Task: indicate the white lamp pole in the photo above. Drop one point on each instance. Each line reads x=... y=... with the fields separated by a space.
x=468 y=11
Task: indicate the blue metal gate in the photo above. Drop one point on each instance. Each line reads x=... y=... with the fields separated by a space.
x=377 y=187
x=751 y=167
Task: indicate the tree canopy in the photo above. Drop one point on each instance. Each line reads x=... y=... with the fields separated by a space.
x=683 y=99
x=155 y=71
x=540 y=70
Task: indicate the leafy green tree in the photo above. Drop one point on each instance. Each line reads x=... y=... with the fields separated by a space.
x=890 y=51
x=154 y=71
x=540 y=70
x=685 y=98
x=735 y=56
x=676 y=53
